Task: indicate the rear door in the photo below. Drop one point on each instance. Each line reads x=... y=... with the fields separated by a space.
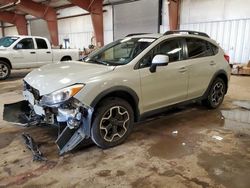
x=201 y=64
x=168 y=85
x=24 y=54
x=44 y=53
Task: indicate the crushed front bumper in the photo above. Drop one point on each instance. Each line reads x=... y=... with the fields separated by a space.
x=72 y=118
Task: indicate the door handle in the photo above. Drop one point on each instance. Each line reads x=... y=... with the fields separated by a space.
x=212 y=63
x=32 y=52
x=48 y=52
x=183 y=69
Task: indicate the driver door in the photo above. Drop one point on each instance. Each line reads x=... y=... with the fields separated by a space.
x=24 y=54
x=169 y=84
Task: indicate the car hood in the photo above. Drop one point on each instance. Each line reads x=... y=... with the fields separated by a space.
x=3 y=48
x=56 y=76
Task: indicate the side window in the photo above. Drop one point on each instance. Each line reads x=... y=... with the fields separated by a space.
x=147 y=59
x=25 y=44
x=41 y=44
x=172 y=48
x=198 y=48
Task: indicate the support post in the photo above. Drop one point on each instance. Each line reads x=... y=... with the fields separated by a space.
x=18 y=20
x=97 y=21
x=2 y=28
x=95 y=8
x=45 y=12
x=40 y=11
x=173 y=8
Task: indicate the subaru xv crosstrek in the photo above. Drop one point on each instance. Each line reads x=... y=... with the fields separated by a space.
x=122 y=83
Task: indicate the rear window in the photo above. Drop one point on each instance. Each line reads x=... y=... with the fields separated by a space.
x=199 y=48
x=41 y=44
x=215 y=49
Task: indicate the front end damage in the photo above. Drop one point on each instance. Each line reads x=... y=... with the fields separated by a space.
x=72 y=118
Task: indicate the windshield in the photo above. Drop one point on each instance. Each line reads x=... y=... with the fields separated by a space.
x=119 y=52
x=7 y=41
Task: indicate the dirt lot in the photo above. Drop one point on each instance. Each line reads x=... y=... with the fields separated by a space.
x=186 y=147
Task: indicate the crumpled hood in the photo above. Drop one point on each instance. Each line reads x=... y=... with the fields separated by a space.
x=56 y=76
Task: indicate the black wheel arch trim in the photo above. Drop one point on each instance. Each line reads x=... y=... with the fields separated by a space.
x=216 y=75
x=125 y=89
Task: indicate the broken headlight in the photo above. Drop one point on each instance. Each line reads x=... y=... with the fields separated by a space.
x=61 y=95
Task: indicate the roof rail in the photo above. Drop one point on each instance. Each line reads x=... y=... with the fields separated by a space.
x=133 y=34
x=187 y=31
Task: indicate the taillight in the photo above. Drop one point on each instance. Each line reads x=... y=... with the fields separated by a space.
x=227 y=58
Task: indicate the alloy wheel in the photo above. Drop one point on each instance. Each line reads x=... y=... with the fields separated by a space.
x=217 y=93
x=114 y=123
x=3 y=71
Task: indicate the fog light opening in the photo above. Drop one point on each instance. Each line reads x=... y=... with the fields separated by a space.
x=74 y=122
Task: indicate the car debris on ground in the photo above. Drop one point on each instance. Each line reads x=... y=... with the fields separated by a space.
x=33 y=147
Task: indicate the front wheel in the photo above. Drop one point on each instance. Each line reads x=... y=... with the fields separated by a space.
x=4 y=70
x=112 y=123
x=216 y=94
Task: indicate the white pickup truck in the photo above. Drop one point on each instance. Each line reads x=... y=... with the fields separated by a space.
x=21 y=52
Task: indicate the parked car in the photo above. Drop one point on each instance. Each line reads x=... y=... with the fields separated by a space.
x=21 y=52
x=122 y=83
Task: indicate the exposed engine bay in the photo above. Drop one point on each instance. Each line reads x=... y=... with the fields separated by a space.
x=72 y=118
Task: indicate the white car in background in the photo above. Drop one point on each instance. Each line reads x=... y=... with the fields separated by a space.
x=21 y=52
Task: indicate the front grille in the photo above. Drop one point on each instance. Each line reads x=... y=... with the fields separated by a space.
x=36 y=94
x=34 y=91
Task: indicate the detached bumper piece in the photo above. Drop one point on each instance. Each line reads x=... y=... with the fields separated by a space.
x=20 y=113
x=33 y=147
x=70 y=137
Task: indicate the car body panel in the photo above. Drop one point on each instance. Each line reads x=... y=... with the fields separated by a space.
x=198 y=79
x=55 y=76
x=168 y=85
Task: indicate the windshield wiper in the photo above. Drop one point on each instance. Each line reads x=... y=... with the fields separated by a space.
x=97 y=61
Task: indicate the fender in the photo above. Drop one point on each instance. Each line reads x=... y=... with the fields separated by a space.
x=117 y=89
x=217 y=74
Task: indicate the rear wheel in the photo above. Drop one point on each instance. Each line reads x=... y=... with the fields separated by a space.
x=112 y=123
x=4 y=70
x=216 y=94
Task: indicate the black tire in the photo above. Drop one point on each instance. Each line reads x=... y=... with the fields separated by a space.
x=4 y=70
x=216 y=94
x=66 y=58
x=108 y=122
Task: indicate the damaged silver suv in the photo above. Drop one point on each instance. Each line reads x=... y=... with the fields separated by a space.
x=122 y=83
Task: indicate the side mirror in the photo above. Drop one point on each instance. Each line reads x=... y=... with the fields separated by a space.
x=19 y=46
x=159 y=60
